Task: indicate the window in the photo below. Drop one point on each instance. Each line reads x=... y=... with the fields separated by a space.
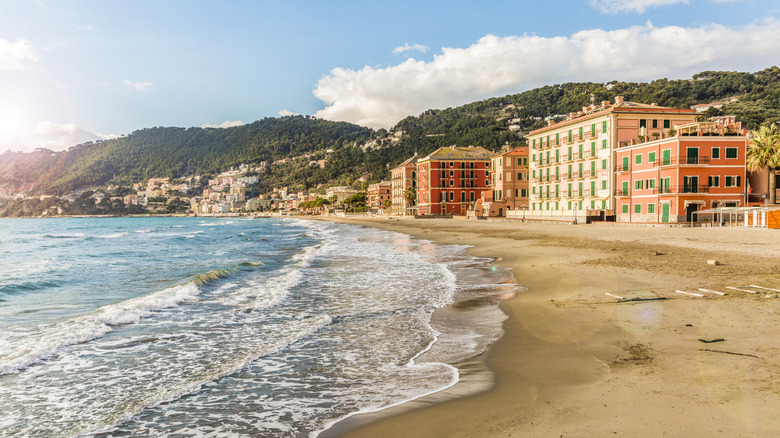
x=650 y=208
x=452 y=173
x=593 y=130
x=557 y=138
x=452 y=183
x=580 y=133
x=452 y=196
x=487 y=173
x=638 y=184
x=604 y=164
x=731 y=153
x=733 y=181
x=519 y=176
x=667 y=124
x=715 y=153
x=487 y=182
x=604 y=127
x=462 y=196
x=604 y=185
x=637 y=208
x=638 y=158
x=650 y=184
x=714 y=181
x=651 y=157
x=570 y=135
x=643 y=123
x=603 y=144
x=625 y=164
x=625 y=209
x=593 y=148
x=533 y=144
x=655 y=123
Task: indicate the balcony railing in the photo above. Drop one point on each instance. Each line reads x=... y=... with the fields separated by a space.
x=623 y=168
x=621 y=192
x=682 y=161
x=685 y=188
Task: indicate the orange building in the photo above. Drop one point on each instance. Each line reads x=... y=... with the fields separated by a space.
x=510 y=185
x=452 y=179
x=571 y=165
x=668 y=180
x=402 y=177
x=379 y=193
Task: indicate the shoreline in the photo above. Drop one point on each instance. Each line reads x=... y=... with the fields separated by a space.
x=574 y=361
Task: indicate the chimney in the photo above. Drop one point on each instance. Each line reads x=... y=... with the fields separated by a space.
x=618 y=100
x=604 y=103
x=585 y=109
x=550 y=122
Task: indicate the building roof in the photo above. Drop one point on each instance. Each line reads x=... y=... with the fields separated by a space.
x=459 y=153
x=620 y=106
x=521 y=150
x=408 y=161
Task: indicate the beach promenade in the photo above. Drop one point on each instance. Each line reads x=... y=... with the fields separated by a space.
x=575 y=361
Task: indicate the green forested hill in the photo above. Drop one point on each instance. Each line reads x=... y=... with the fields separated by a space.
x=176 y=152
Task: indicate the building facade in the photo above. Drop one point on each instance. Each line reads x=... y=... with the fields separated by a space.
x=670 y=179
x=402 y=177
x=572 y=162
x=378 y=193
x=452 y=179
x=509 y=180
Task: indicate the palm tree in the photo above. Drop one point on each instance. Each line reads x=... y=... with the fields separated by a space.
x=763 y=152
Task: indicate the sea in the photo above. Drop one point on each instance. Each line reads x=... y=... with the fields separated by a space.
x=221 y=327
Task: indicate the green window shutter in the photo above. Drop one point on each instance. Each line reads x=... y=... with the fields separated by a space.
x=625 y=188
x=593 y=188
x=666 y=157
x=593 y=129
x=625 y=208
x=580 y=133
x=604 y=184
x=650 y=208
x=557 y=138
x=593 y=148
x=651 y=157
x=603 y=144
x=638 y=158
x=604 y=126
x=592 y=169
x=638 y=208
x=604 y=164
x=625 y=164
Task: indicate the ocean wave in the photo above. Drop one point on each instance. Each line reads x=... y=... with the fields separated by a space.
x=112 y=236
x=65 y=236
x=223 y=369
x=92 y=326
x=26 y=286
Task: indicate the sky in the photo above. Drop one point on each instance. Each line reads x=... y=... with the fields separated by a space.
x=79 y=71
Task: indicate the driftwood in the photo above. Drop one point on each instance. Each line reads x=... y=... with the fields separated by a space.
x=728 y=352
x=626 y=300
x=710 y=341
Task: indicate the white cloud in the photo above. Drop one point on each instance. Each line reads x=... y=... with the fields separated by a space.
x=638 y=6
x=411 y=48
x=86 y=27
x=107 y=136
x=494 y=66
x=144 y=87
x=19 y=55
x=286 y=112
x=225 y=124
x=54 y=136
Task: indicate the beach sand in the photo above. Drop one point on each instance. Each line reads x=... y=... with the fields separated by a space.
x=576 y=362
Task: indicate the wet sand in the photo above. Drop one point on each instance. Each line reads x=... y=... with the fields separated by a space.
x=576 y=362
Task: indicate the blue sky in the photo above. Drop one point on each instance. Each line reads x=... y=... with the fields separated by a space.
x=81 y=70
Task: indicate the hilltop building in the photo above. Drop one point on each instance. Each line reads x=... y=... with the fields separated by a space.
x=452 y=179
x=573 y=172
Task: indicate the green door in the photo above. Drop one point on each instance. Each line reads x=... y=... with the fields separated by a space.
x=625 y=164
x=664 y=212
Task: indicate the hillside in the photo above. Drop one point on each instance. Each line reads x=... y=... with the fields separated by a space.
x=355 y=150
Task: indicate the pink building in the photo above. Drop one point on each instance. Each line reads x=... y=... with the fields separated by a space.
x=509 y=180
x=403 y=177
x=379 y=193
x=669 y=179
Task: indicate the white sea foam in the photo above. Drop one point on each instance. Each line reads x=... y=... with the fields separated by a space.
x=168 y=394
x=49 y=340
x=66 y=236
x=112 y=236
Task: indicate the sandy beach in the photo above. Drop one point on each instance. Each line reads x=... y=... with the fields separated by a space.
x=574 y=361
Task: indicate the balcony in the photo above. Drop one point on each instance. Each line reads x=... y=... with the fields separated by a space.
x=681 y=189
x=586 y=174
x=576 y=175
x=569 y=140
x=623 y=168
x=621 y=192
x=682 y=161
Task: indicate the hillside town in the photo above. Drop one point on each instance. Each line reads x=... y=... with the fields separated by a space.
x=614 y=161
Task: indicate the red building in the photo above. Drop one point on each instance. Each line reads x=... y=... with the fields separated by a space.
x=379 y=193
x=451 y=180
x=668 y=180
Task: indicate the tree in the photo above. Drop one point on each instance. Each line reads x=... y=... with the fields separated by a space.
x=410 y=196
x=763 y=152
